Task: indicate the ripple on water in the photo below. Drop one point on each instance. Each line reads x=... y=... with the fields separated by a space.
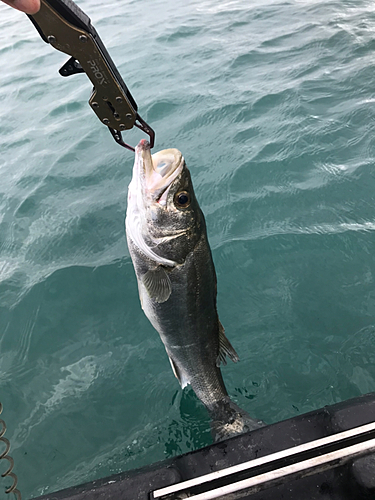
x=161 y=110
x=356 y=354
x=181 y=32
x=272 y=106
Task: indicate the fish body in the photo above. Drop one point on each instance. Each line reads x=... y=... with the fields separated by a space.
x=167 y=240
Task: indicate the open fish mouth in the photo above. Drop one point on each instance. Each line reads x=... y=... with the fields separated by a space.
x=159 y=170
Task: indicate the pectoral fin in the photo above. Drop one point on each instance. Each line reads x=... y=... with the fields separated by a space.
x=225 y=348
x=157 y=284
x=180 y=376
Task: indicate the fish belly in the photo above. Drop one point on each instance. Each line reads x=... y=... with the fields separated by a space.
x=188 y=322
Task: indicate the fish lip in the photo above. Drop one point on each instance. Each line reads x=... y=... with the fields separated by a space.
x=143 y=145
x=158 y=171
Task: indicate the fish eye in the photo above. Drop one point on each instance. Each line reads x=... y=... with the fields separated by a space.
x=182 y=199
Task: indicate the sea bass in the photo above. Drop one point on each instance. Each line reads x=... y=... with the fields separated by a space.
x=167 y=239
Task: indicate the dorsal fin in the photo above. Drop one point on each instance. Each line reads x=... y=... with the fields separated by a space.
x=225 y=348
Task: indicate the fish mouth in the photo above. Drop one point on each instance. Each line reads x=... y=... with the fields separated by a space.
x=159 y=170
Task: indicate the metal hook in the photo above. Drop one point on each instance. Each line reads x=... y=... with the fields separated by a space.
x=142 y=125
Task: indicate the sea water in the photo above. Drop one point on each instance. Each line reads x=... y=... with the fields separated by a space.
x=272 y=104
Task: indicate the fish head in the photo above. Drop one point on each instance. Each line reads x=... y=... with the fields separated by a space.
x=165 y=199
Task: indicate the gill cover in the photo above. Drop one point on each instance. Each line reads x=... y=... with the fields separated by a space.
x=152 y=178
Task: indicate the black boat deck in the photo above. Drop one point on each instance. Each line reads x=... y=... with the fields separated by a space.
x=350 y=477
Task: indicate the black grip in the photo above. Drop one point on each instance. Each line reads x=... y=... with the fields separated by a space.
x=37 y=27
x=71 y=12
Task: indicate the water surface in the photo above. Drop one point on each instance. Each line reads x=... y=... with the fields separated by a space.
x=272 y=105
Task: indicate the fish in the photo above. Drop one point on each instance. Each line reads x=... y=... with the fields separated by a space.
x=167 y=240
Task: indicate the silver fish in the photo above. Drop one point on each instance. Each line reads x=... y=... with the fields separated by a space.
x=167 y=239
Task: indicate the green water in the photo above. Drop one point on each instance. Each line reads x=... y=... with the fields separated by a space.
x=272 y=104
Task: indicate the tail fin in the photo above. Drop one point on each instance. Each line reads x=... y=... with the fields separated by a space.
x=229 y=420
